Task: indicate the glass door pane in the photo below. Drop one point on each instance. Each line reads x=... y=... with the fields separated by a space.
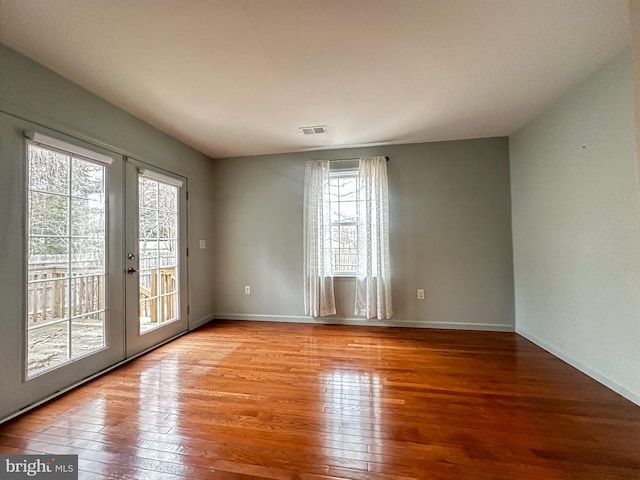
x=158 y=252
x=66 y=263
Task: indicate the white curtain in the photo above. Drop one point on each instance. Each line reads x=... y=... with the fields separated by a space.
x=319 y=299
x=373 y=282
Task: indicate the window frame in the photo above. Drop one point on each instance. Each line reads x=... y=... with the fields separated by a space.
x=351 y=172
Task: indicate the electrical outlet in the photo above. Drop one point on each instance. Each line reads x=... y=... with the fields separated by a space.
x=247 y=289
x=421 y=294
x=203 y=244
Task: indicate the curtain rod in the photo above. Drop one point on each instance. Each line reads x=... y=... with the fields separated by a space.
x=351 y=159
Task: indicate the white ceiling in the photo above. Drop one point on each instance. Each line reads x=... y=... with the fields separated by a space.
x=238 y=77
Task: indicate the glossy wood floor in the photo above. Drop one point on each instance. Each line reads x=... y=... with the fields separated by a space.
x=243 y=400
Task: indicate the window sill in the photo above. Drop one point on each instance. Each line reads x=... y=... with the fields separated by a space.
x=345 y=278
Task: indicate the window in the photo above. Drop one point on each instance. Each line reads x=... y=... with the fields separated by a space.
x=346 y=233
x=66 y=244
x=343 y=204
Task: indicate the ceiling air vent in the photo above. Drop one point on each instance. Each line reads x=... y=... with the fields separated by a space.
x=313 y=130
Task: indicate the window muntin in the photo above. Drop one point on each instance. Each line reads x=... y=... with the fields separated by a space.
x=66 y=257
x=343 y=205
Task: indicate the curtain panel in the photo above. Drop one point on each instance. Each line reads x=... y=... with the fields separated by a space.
x=319 y=298
x=373 y=281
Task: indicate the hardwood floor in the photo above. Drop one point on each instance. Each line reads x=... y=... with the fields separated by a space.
x=247 y=400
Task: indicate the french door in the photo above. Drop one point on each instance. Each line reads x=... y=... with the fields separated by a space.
x=106 y=272
x=156 y=275
x=74 y=209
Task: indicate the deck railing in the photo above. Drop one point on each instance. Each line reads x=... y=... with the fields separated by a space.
x=49 y=298
x=157 y=286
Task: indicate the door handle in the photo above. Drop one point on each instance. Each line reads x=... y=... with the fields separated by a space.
x=131 y=270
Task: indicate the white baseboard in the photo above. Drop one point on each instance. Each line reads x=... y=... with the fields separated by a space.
x=365 y=322
x=198 y=323
x=597 y=376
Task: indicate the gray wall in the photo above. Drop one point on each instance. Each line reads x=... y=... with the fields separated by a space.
x=450 y=234
x=576 y=229
x=31 y=95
